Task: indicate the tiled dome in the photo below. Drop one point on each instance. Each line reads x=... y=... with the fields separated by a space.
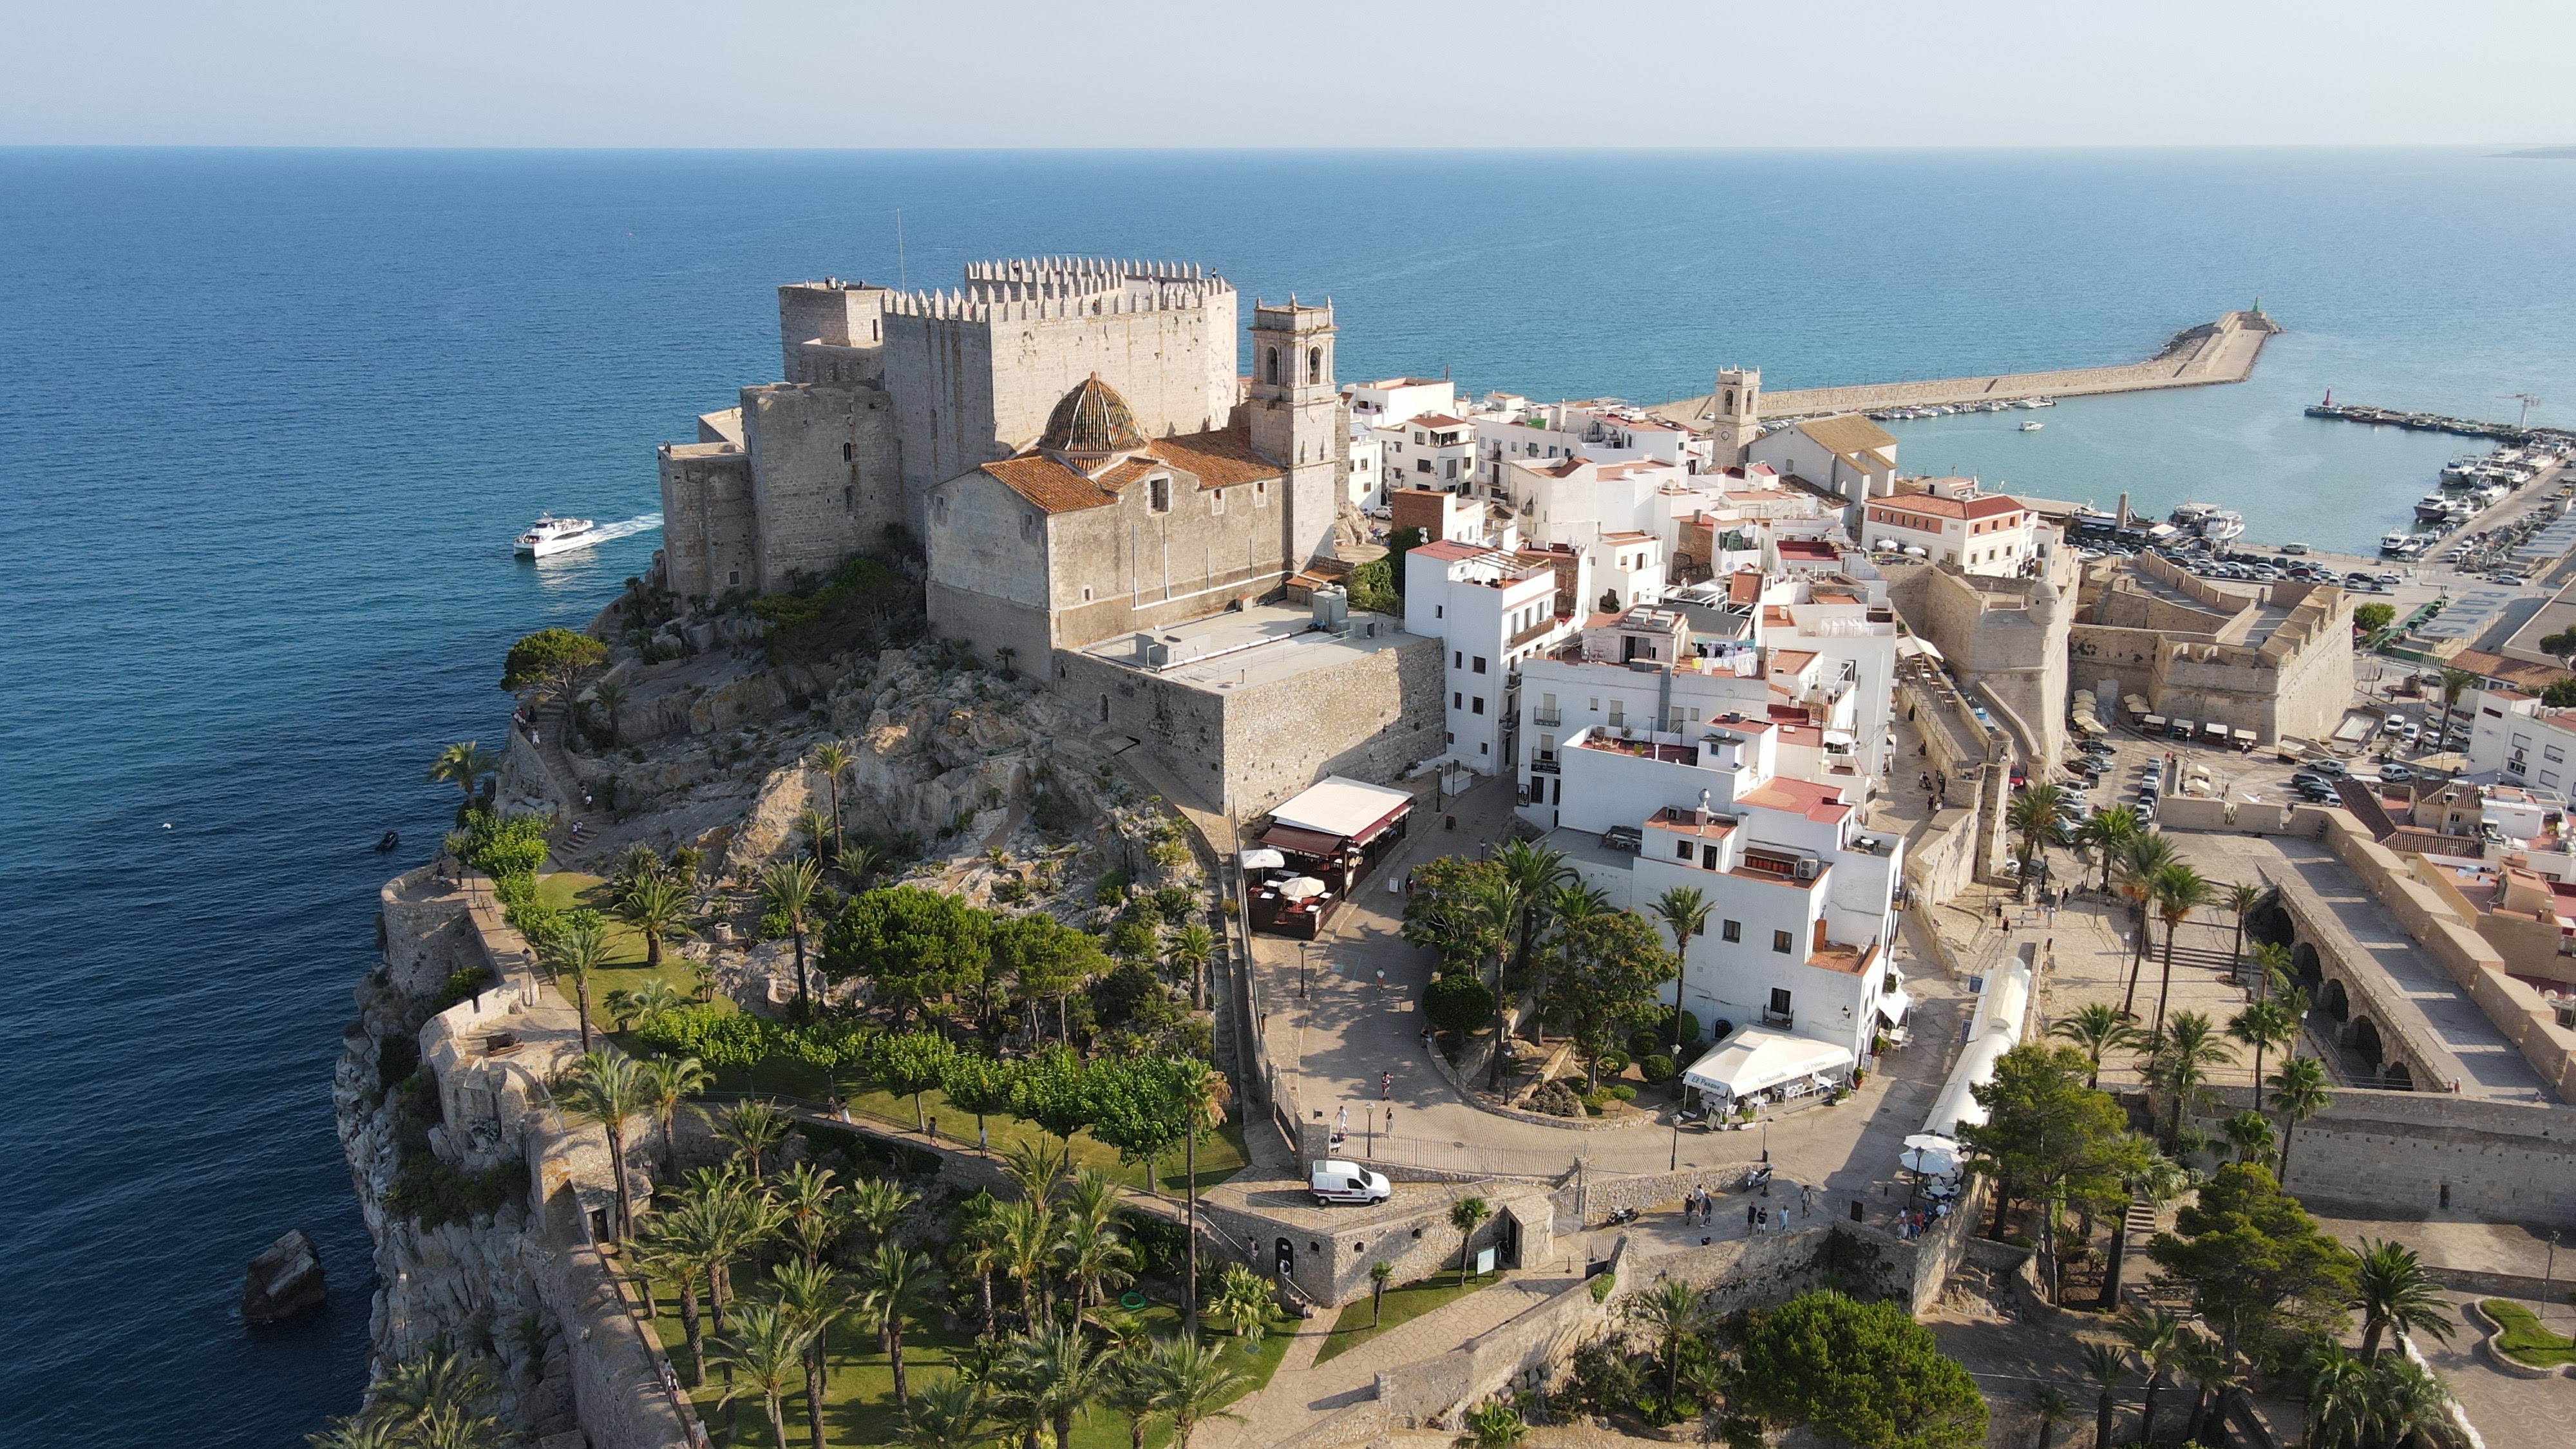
x=1091 y=421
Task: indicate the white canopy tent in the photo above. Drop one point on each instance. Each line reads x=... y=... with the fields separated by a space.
x=1349 y=809
x=1756 y=1058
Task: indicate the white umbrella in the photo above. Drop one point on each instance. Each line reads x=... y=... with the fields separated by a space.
x=1931 y=1154
x=1302 y=887
x=1263 y=859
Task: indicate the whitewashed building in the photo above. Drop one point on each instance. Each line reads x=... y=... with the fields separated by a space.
x=1946 y=520
x=1490 y=610
x=1850 y=457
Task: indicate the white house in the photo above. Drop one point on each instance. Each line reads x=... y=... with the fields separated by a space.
x=2517 y=740
x=1433 y=450
x=1490 y=611
x=1948 y=521
x=1394 y=400
x=1364 y=483
x=1850 y=457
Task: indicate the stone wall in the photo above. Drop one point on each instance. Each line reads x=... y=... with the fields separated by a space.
x=824 y=477
x=1371 y=717
x=709 y=529
x=2395 y=1154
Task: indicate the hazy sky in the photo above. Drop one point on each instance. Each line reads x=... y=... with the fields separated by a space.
x=1318 y=73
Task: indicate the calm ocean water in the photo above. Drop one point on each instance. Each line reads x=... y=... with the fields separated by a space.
x=274 y=416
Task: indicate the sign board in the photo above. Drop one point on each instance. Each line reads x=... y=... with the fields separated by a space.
x=1484 y=1261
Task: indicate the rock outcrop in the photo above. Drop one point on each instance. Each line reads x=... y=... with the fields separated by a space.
x=284 y=1280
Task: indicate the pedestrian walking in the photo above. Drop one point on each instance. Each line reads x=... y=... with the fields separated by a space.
x=1381 y=978
x=1752 y=1216
x=1386 y=1086
x=1342 y=1123
x=1390 y=1121
x=1807 y=1202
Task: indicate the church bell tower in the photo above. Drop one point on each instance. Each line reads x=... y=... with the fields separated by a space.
x=1735 y=413
x=1296 y=417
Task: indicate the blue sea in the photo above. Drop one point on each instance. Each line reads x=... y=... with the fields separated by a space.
x=272 y=418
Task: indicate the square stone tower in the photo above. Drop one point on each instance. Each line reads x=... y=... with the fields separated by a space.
x=1735 y=413
x=1296 y=417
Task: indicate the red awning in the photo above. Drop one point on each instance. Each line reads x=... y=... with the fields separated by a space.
x=1312 y=844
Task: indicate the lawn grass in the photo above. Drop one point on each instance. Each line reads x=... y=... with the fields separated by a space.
x=1358 y=1324
x=625 y=971
x=1221 y=1153
x=859 y=1405
x=2524 y=1339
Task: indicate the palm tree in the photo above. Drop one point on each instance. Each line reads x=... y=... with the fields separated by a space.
x=2097 y=1027
x=815 y=1298
x=1037 y=1168
x=654 y=905
x=2139 y=859
x=1196 y=1385
x=1059 y=1371
x=2035 y=825
x=636 y=1006
x=754 y=1128
x=2338 y=1387
x=2274 y=965
x=877 y=1208
x=895 y=1283
x=2263 y=1026
x=1532 y=871
x=607 y=1089
x=766 y=1348
x=950 y=1414
x=2410 y=1405
x=741 y=1220
x=438 y=1379
x=685 y=1242
x=2108 y=1364
x=669 y=1081
x=2455 y=683
x=810 y=1201
x=1134 y=1389
x=1093 y=1258
x=1189 y=951
x=1205 y=1094
x=582 y=950
x=2108 y=831
x=1500 y=909
x=1494 y=1424
x=832 y=758
x=2212 y=1369
x=2155 y=1336
x=2050 y=1405
x=1466 y=1215
x=1244 y=1302
x=610 y=699
x=860 y=862
x=463 y=765
x=358 y=1432
x=2250 y=1134
x=978 y=1249
x=1672 y=1313
x=1381 y=1273
x=2299 y=1092
x=2241 y=899
x=2176 y=890
x=788 y=890
x=448 y=1427
x=1027 y=1230
x=2179 y=1056
x=1684 y=912
x=2392 y=1290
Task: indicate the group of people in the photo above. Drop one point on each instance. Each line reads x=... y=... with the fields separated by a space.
x=1914 y=1220
x=1699 y=1209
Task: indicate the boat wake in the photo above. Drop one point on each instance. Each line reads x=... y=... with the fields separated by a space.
x=636 y=525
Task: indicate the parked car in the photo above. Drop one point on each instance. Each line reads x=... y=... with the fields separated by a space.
x=2395 y=774
x=1338 y=1181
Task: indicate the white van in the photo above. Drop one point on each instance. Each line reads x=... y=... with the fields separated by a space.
x=1347 y=1182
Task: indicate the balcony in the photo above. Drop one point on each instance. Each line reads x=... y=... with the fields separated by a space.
x=1778 y=1018
x=1547 y=718
x=1545 y=765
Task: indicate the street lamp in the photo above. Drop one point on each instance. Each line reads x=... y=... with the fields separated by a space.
x=1301 y=971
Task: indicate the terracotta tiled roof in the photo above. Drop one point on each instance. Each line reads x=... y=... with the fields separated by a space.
x=1820 y=803
x=1050 y=485
x=1221 y=458
x=1791 y=661
x=1849 y=434
x=1447 y=550
x=1093 y=419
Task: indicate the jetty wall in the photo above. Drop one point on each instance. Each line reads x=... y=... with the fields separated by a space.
x=2214 y=352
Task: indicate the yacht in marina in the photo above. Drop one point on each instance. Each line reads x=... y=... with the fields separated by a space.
x=552 y=535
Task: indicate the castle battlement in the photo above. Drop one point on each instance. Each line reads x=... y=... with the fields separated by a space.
x=1030 y=289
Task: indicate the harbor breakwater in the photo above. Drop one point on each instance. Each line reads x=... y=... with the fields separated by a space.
x=2214 y=352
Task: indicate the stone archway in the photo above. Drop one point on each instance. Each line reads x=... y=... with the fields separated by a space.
x=2305 y=965
x=2270 y=923
x=2336 y=1004
x=2365 y=1041
x=2396 y=1078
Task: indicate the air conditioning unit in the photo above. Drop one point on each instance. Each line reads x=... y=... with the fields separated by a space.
x=1806 y=869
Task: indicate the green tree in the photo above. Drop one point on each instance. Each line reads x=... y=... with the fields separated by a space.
x=2095 y=1028
x=655 y=905
x=1189 y=951
x=669 y=1081
x=787 y=891
x=2241 y=900
x=2047 y=1135
x=910 y=1064
x=2264 y=1026
x=1053 y=1089
x=2455 y=684
x=1675 y=1316
x=2035 y=825
x=2175 y=891
x=833 y=758
x=895 y=1284
x=1381 y=1273
x=1196 y=1385
x=607 y=1089
x=2255 y=1263
x=550 y=654
x=2179 y=1056
x=2299 y=1092
x=1458 y=1003
x=914 y=944
x=2107 y=1364
x=583 y=950
x=464 y=766
x=2371 y=618
x=814 y=1298
x=1045 y=960
x=1865 y=1374
x=2391 y=1289
x=1466 y=1215
x=2249 y=1134
x=977 y=1084
x=1684 y=912
x=1605 y=972
x=1444 y=911
x=1137 y=1108
x=764 y=1353
x=2558 y=693
x=1494 y=1424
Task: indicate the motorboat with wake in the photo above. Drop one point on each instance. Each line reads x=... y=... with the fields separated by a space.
x=551 y=535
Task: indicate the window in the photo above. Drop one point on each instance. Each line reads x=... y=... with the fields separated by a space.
x=1159 y=495
x=1457 y=659
x=733 y=576
x=1421 y=465
x=1547 y=747
x=1484 y=749
x=1028 y=527
x=1731 y=931
x=1480 y=664
x=1261 y=493
x=939 y=509
x=1780 y=998
x=1780 y=944
x=1439 y=609
x=1681 y=851
x=2553 y=754
x=1457 y=699
x=1451 y=737
x=1086 y=593
x=1314 y=364
x=849 y=451
x=1273 y=366
x=1618 y=711
x=1476 y=705
x=1216 y=500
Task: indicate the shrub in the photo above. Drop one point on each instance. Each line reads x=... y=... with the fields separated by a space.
x=1658 y=1069
x=1606 y=1377
x=507 y=848
x=1603 y=1286
x=1613 y=1063
x=865 y=602
x=1555 y=1099
x=1458 y=1003
x=1620 y=1091
x=549 y=651
x=438 y=1193
x=717 y=1038
x=2371 y=618
x=463 y=982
